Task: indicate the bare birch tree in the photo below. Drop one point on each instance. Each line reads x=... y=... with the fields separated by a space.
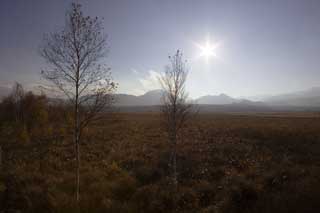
x=175 y=108
x=74 y=57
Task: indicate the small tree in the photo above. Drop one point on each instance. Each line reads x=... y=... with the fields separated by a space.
x=11 y=119
x=175 y=108
x=74 y=55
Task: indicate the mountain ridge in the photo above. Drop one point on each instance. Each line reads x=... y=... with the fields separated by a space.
x=303 y=98
x=153 y=97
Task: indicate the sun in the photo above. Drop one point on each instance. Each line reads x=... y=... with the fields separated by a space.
x=208 y=49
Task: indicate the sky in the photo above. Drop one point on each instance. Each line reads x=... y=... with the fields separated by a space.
x=262 y=46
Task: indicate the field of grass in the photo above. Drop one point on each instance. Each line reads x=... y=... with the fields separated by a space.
x=264 y=162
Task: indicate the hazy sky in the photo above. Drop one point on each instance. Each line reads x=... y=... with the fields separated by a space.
x=265 y=47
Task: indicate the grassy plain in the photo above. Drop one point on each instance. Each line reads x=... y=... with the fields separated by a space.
x=254 y=162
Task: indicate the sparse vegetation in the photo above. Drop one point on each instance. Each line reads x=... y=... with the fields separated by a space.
x=226 y=163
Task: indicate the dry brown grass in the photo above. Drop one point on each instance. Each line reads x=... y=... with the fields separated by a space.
x=226 y=163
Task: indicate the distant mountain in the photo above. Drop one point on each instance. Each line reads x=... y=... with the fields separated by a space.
x=224 y=99
x=306 y=98
x=148 y=99
x=153 y=98
x=216 y=99
x=250 y=102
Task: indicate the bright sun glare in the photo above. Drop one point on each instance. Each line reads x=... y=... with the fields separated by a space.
x=208 y=49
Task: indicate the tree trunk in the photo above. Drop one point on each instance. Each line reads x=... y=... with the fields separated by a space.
x=175 y=178
x=77 y=144
x=174 y=160
x=174 y=170
x=78 y=168
x=174 y=141
x=1 y=158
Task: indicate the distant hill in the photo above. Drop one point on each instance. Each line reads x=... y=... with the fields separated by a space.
x=216 y=99
x=154 y=98
x=301 y=101
x=306 y=98
x=148 y=99
x=151 y=101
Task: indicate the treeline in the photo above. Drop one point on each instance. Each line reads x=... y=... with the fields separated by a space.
x=30 y=126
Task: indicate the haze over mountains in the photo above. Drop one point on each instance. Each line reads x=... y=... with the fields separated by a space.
x=310 y=98
x=154 y=98
x=150 y=98
x=305 y=98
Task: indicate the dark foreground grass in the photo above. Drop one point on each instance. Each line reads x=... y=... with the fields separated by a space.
x=226 y=163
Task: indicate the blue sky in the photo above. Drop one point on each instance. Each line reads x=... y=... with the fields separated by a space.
x=265 y=47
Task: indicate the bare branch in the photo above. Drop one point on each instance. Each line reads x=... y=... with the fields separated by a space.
x=74 y=55
x=175 y=108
